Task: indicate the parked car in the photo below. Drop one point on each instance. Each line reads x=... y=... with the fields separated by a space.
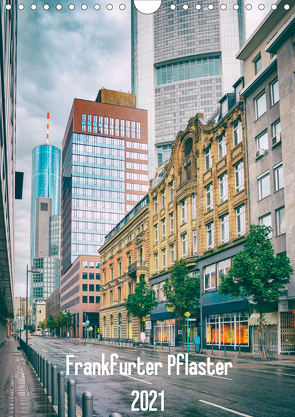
x=38 y=332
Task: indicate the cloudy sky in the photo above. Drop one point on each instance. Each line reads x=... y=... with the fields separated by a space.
x=62 y=55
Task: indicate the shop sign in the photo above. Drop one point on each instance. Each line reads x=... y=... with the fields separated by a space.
x=283 y=306
x=148 y=325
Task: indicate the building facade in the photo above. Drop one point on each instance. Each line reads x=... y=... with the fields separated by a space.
x=80 y=294
x=199 y=212
x=124 y=263
x=269 y=94
x=53 y=304
x=104 y=170
x=8 y=28
x=182 y=63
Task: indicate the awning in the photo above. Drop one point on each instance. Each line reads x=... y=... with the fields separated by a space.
x=268 y=319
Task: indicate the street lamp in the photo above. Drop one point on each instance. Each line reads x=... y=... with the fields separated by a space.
x=33 y=271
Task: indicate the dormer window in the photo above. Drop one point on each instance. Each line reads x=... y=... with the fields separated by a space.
x=224 y=107
x=238 y=91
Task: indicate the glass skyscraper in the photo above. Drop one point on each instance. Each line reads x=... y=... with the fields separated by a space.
x=183 y=62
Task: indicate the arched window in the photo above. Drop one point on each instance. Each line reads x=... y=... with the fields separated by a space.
x=111 y=297
x=112 y=326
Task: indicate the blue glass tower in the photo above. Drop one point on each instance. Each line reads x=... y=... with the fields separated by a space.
x=46 y=175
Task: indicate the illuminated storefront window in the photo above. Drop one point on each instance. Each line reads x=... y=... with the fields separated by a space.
x=164 y=331
x=230 y=329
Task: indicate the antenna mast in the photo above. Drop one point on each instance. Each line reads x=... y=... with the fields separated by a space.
x=47 y=136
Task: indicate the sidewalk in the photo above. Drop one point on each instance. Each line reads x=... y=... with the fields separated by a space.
x=21 y=394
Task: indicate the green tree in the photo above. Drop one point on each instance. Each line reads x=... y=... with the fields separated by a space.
x=50 y=323
x=141 y=302
x=41 y=325
x=257 y=275
x=182 y=292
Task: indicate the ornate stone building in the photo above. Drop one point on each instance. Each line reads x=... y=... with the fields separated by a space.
x=123 y=264
x=199 y=212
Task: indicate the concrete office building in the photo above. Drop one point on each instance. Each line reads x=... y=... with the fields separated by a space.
x=53 y=304
x=45 y=225
x=104 y=170
x=8 y=27
x=269 y=62
x=183 y=62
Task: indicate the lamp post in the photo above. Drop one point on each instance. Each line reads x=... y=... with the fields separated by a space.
x=33 y=271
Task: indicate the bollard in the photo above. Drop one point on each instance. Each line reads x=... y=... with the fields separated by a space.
x=48 y=385
x=224 y=350
x=61 y=394
x=71 y=391
x=87 y=404
x=116 y=415
x=44 y=373
x=41 y=369
x=54 y=384
x=212 y=349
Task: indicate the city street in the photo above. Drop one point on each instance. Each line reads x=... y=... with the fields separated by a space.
x=249 y=389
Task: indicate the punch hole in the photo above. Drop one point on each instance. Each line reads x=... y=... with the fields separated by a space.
x=71 y=6
x=261 y=6
x=236 y=7
x=84 y=7
x=46 y=7
x=109 y=6
x=198 y=7
x=274 y=6
x=210 y=6
x=58 y=7
x=96 y=7
x=248 y=6
x=172 y=7
x=223 y=6
x=8 y=7
x=287 y=7
x=33 y=6
x=185 y=7
x=21 y=7
x=122 y=7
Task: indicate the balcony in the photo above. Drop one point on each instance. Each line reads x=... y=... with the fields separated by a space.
x=133 y=268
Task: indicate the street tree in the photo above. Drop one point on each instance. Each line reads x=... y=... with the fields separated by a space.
x=257 y=275
x=141 y=302
x=182 y=292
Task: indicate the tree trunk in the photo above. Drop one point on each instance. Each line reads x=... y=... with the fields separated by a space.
x=261 y=329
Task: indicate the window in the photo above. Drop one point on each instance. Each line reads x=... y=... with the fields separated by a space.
x=171 y=223
x=84 y=299
x=138 y=130
x=274 y=92
x=119 y=294
x=91 y=287
x=97 y=287
x=184 y=244
x=224 y=224
x=237 y=132
x=222 y=268
x=85 y=275
x=163 y=198
x=276 y=128
x=164 y=258
x=97 y=299
x=172 y=254
x=91 y=275
x=84 y=287
x=155 y=204
x=97 y=264
x=84 y=264
x=97 y=276
x=209 y=197
x=91 y=299
x=262 y=141
x=223 y=189
x=221 y=147
x=194 y=242
x=156 y=233
x=111 y=297
x=257 y=65
x=171 y=190
x=281 y=223
x=239 y=176
x=208 y=159
x=264 y=186
x=156 y=262
x=183 y=211
x=241 y=220
x=194 y=208
x=104 y=300
x=260 y=105
x=266 y=221
x=224 y=107
x=91 y=264
x=278 y=177
x=120 y=269
x=104 y=277
x=112 y=273
x=210 y=278
x=238 y=91
x=210 y=235
x=163 y=228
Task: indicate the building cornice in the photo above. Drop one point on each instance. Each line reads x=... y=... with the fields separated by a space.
x=287 y=30
x=260 y=77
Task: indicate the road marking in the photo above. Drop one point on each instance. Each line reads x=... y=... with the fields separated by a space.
x=141 y=380
x=215 y=376
x=269 y=372
x=226 y=409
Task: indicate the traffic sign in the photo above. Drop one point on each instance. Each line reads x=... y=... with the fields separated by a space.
x=187 y=314
x=148 y=325
x=87 y=322
x=192 y=319
x=143 y=319
x=90 y=328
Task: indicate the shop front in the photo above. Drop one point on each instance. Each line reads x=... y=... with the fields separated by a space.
x=231 y=329
x=164 y=332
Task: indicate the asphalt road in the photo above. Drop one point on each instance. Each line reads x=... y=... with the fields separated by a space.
x=249 y=389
